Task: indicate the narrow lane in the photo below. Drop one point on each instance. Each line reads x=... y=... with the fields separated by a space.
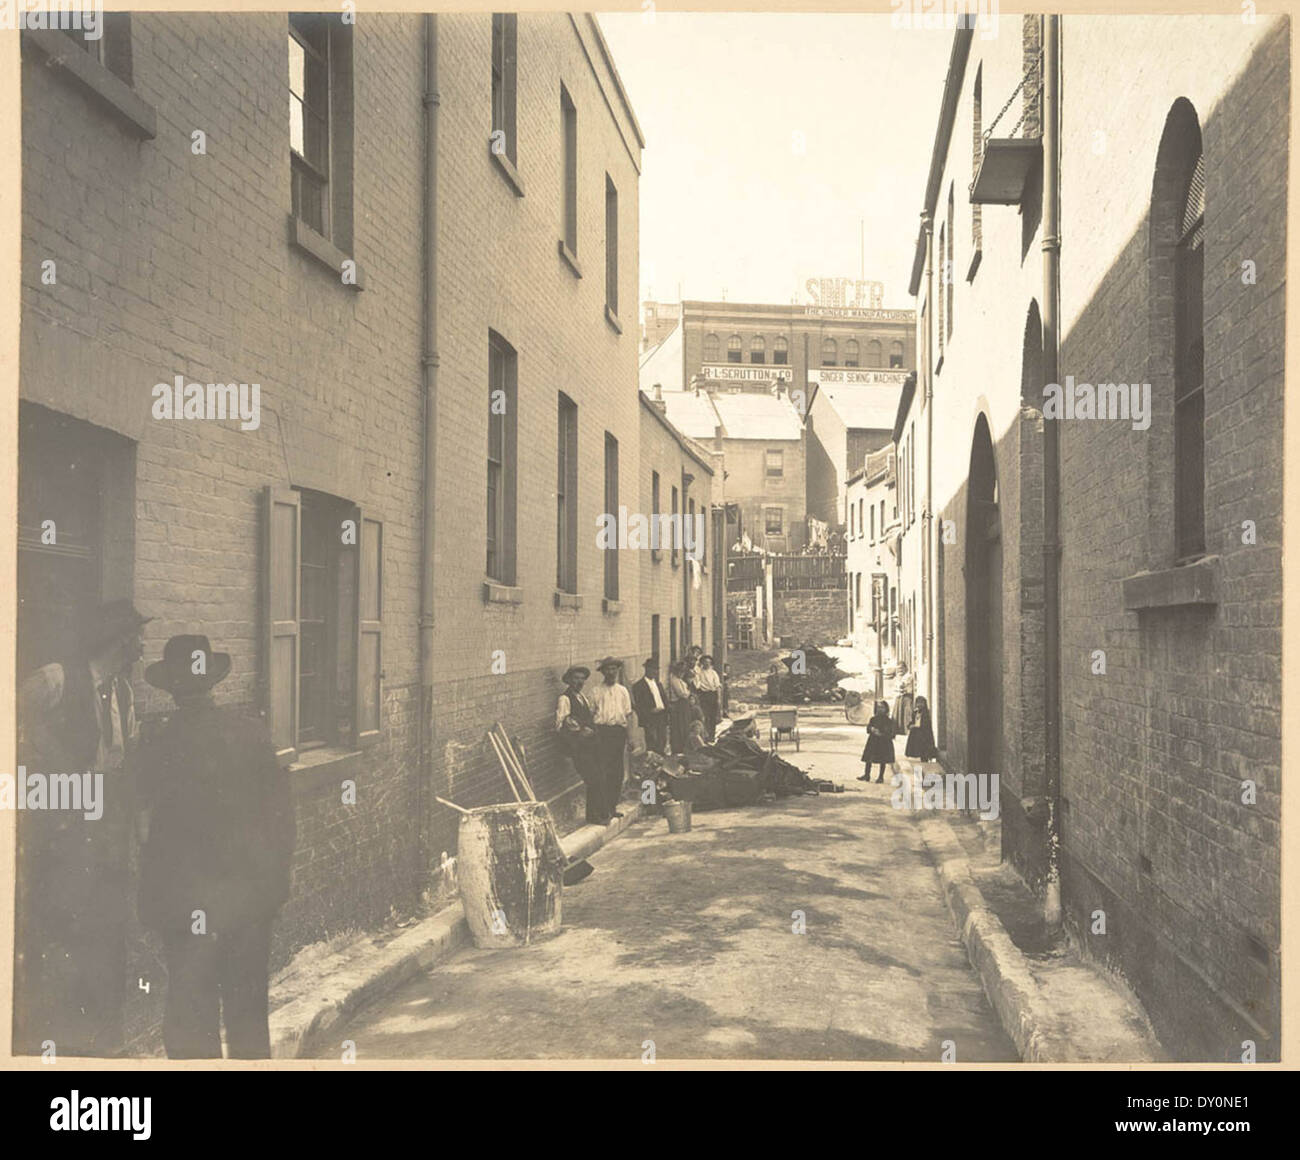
x=689 y=941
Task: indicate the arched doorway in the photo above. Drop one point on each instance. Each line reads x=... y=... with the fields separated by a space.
x=983 y=608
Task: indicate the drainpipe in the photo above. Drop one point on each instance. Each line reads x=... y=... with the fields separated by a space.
x=1051 y=462
x=429 y=376
x=929 y=596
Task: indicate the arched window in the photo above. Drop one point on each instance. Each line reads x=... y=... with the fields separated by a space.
x=875 y=353
x=733 y=348
x=710 y=348
x=895 y=354
x=851 y=353
x=780 y=352
x=757 y=350
x=828 y=352
x=1178 y=259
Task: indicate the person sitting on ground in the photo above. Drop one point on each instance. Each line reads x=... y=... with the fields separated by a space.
x=696 y=738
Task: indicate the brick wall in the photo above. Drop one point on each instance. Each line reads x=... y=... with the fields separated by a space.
x=810 y=616
x=1156 y=749
x=175 y=263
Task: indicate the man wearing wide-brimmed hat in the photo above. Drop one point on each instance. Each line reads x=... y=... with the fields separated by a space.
x=611 y=707
x=576 y=727
x=216 y=863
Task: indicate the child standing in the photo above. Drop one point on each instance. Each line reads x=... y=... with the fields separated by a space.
x=920 y=735
x=880 y=742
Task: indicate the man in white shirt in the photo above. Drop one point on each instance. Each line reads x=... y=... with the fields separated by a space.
x=611 y=708
x=651 y=705
x=708 y=687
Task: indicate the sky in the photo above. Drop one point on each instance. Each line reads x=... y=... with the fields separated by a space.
x=779 y=147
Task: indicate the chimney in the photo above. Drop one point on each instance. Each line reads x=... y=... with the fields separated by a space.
x=657 y=400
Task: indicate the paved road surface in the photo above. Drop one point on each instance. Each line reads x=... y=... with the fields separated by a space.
x=688 y=941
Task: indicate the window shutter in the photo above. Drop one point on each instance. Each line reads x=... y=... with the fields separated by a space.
x=282 y=525
x=370 y=632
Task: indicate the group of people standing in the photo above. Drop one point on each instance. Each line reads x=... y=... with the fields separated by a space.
x=884 y=727
x=594 y=722
x=213 y=814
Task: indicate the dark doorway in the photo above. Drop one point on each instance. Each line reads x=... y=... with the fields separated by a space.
x=983 y=609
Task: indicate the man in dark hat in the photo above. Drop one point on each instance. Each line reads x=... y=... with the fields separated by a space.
x=77 y=716
x=577 y=730
x=216 y=863
x=651 y=704
x=611 y=708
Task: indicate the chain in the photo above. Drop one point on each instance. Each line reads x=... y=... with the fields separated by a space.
x=1015 y=92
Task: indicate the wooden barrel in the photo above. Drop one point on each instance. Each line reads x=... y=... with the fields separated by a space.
x=511 y=873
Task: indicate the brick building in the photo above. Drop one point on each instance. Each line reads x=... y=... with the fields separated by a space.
x=1157 y=777
x=871 y=554
x=433 y=307
x=682 y=587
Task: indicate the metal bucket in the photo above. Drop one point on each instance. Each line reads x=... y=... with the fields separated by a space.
x=679 y=816
x=511 y=873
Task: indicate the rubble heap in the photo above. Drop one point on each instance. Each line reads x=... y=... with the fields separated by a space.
x=810 y=676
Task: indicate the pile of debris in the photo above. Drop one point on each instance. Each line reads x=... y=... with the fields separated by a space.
x=734 y=771
x=809 y=675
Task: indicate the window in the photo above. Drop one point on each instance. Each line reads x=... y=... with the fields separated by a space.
x=309 y=119
x=654 y=510
x=611 y=506
x=873 y=523
x=672 y=639
x=875 y=353
x=654 y=637
x=504 y=30
x=1177 y=230
x=111 y=47
x=911 y=478
x=942 y=290
x=857 y=590
x=852 y=512
x=611 y=246
x=774 y=464
x=828 y=352
x=757 y=350
x=733 y=349
x=895 y=354
x=977 y=156
x=882 y=512
x=704 y=638
x=780 y=352
x=773 y=521
x=676 y=538
x=323 y=575
x=861 y=502
x=710 y=348
x=569 y=119
x=566 y=497
x=1189 y=371
x=851 y=353
x=503 y=368
x=951 y=279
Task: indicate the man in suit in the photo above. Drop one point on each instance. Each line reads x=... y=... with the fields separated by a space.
x=577 y=730
x=217 y=858
x=651 y=705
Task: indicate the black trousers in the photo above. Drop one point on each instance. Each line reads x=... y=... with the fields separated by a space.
x=211 y=977
x=656 y=732
x=611 y=744
x=709 y=706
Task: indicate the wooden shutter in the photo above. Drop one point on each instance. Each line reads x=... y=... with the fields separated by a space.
x=282 y=527
x=370 y=632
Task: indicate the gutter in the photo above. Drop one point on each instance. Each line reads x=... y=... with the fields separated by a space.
x=429 y=384
x=1052 y=461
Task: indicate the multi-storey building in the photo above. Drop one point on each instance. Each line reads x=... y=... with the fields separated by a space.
x=871 y=536
x=1096 y=435
x=417 y=236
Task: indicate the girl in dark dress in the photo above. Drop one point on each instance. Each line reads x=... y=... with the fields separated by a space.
x=880 y=742
x=920 y=736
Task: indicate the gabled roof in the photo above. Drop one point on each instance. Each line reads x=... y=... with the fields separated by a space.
x=692 y=414
x=663 y=364
x=750 y=415
x=863 y=407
